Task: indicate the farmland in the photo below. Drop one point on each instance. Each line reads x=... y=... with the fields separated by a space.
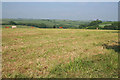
x=47 y=22
x=59 y=53
x=66 y=24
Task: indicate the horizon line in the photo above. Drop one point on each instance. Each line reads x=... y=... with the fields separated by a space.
x=59 y=19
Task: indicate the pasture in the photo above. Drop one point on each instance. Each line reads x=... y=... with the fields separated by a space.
x=59 y=53
x=49 y=23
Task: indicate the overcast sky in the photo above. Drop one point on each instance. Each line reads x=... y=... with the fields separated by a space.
x=61 y=10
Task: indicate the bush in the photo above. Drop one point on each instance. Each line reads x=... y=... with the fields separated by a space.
x=12 y=23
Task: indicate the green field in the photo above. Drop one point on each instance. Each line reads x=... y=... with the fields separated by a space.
x=66 y=24
x=63 y=53
x=49 y=23
x=18 y=26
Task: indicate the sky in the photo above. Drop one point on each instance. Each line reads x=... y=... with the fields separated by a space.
x=60 y=0
x=107 y=11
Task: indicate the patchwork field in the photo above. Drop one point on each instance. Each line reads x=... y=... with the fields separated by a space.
x=63 y=53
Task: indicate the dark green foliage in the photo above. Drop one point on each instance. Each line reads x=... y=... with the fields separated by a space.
x=95 y=22
x=83 y=26
x=92 y=27
x=54 y=26
x=12 y=23
x=46 y=23
x=42 y=25
x=113 y=26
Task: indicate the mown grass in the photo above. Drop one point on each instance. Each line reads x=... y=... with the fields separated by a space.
x=64 y=53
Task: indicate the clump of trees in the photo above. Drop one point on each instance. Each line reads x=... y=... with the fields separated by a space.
x=95 y=25
x=113 y=26
x=12 y=23
x=42 y=25
x=83 y=26
x=54 y=26
x=91 y=25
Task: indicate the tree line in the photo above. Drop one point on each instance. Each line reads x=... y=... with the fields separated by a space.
x=92 y=25
x=95 y=25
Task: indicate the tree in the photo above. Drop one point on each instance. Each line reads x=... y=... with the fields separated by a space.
x=96 y=22
x=82 y=26
x=54 y=26
x=42 y=25
x=12 y=23
x=92 y=27
x=113 y=26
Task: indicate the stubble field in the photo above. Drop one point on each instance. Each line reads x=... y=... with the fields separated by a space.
x=63 y=53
